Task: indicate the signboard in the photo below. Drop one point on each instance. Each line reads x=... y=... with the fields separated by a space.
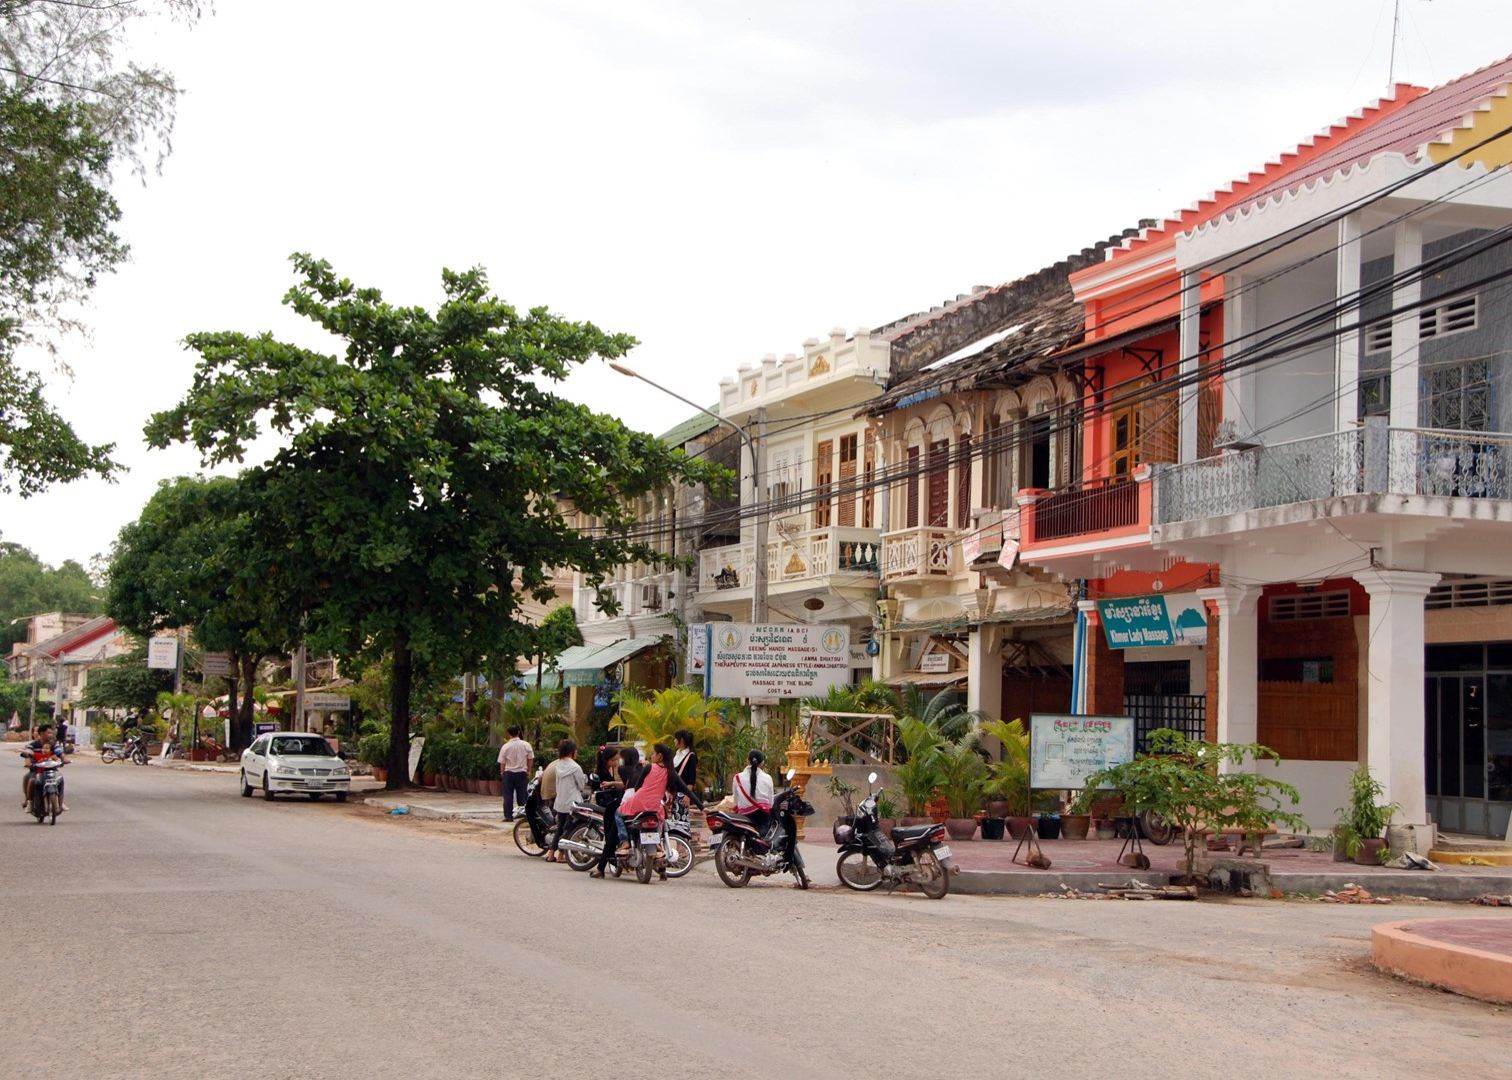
x=776 y=660
x=162 y=653
x=1008 y=556
x=935 y=662
x=698 y=650
x=1131 y=622
x=264 y=727
x=216 y=664
x=417 y=744
x=327 y=702
x=1065 y=750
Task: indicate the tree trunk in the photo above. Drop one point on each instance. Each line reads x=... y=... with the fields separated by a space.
x=233 y=701
x=241 y=726
x=399 y=716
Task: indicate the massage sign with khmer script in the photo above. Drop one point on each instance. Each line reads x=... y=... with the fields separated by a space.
x=777 y=660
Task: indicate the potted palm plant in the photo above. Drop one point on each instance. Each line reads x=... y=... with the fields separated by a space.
x=962 y=773
x=1077 y=819
x=887 y=811
x=1007 y=783
x=919 y=777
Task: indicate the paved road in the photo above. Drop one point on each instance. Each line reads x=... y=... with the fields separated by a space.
x=207 y=936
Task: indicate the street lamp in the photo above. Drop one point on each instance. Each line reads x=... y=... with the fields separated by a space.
x=759 y=567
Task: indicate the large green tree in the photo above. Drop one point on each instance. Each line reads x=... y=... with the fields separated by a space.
x=424 y=468
x=194 y=558
x=28 y=586
x=73 y=102
x=127 y=683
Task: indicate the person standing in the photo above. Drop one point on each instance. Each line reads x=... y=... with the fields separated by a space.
x=515 y=757
x=571 y=789
x=685 y=758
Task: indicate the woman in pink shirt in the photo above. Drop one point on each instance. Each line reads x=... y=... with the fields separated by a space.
x=651 y=791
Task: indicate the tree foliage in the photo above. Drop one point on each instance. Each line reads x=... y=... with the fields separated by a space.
x=126 y=683
x=1183 y=780
x=28 y=586
x=557 y=633
x=653 y=717
x=424 y=468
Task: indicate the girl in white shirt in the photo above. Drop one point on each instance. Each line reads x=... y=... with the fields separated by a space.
x=753 y=791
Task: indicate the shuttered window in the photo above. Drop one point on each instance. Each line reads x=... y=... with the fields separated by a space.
x=912 y=479
x=868 y=513
x=963 y=481
x=824 y=475
x=939 y=485
x=846 y=497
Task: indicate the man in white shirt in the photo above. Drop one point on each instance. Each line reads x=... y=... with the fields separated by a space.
x=571 y=789
x=515 y=757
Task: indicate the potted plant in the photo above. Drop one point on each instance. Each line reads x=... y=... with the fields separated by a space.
x=1077 y=819
x=919 y=777
x=840 y=788
x=1047 y=818
x=1362 y=824
x=372 y=750
x=1007 y=783
x=887 y=811
x=962 y=774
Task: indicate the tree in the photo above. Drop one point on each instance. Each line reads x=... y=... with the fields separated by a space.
x=28 y=586
x=15 y=698
x=1183 y=781
x=653 y=717
x=424 y=469
x=70 y=105
x=194 y=558
x=127 y=683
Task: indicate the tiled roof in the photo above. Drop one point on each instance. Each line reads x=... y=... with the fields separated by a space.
x=691 y=428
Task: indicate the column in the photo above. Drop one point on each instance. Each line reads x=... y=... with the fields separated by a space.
x=1102 y=692
x=1394 y=690
x=1347 y=343
x=1191 y=343
x=1239 y=311
x=1238 y=662
x=984 y=671
x=1407 y=253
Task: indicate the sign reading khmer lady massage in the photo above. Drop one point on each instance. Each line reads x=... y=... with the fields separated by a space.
x=776 y=660
x=1065 y=750
x=1131 y=622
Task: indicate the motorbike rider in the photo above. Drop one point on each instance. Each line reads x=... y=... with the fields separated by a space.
x=656 y=780
x=44 y=746
x=753 y=791
x=608 y=790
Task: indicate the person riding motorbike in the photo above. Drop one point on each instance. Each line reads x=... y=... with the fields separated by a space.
x=608 y=790
x=753 y=791
x=656 y=780
x=44 y=746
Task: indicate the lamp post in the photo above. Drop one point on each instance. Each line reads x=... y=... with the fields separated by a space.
x=758 y=484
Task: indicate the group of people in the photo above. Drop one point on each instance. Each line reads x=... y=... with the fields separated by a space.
x=45 y=745
x=624 y=786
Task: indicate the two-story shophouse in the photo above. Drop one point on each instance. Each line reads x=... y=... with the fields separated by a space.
x=1294 y=400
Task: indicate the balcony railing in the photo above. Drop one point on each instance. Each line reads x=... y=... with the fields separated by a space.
x=801 y=556
x=1373 y=459
x=919 y=553
x=1097 y=507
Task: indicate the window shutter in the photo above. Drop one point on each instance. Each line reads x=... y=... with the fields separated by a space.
x=963 y=481
x=846 y=497
x=824 y=473
x=939 y=485
x=913 y=487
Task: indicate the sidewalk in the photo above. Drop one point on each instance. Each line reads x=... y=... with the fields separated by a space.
x=987 y=866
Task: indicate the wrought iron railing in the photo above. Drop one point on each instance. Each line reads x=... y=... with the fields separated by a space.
x=1087 y=508
x=1474 y=464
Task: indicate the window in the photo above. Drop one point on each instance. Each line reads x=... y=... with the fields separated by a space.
x=997 y=464
x=824 y=475
x=938 y=483
x=1375 y=395
x=868 y=504
x=1450 y=316
x=1457 y=397
x=1035 y=460
x=963 y=481
x=847 y=493
x=911 y=477
x=1313 y=605
x=1309 y=669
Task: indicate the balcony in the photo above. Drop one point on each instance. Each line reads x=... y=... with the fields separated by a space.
x=920 y=554
x=806 y=557
x=1088 y=530
x=648 y=592
x=1373 y=460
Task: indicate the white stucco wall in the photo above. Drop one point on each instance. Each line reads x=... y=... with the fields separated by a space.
x=1305 y=377
x=1323 y=785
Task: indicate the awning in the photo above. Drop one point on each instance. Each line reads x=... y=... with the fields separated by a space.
x=587 y=670
x=568 y=658
x=927 y=678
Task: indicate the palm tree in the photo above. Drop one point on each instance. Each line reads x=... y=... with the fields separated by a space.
x=653 y=718
x=535 y=712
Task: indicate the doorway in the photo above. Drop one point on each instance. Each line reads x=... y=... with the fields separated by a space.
x=1468 y=737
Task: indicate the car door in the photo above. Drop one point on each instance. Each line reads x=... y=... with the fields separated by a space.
x=257 y=761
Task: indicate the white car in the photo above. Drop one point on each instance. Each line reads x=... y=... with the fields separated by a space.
x=291 y=761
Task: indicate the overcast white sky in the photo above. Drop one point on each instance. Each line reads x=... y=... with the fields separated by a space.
x=721 y=179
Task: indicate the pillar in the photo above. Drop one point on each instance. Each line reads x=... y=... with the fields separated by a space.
x=1103 y=671
x=1394 y=687
x=1407 y=253
x=984 y=671
x=1347 y=341
x=1238 y=661
x=1191 y=345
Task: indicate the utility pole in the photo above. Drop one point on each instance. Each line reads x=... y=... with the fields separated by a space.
x=178 y=663
x=1396 y=21
x=759 y=572
x=299 y=687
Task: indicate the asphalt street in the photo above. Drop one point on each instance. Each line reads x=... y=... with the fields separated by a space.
x=167 y=927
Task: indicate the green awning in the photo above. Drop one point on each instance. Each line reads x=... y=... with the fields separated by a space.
x=588 y=669
x=569 y=658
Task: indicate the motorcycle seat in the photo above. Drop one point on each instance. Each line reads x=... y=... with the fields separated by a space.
x=911 y=832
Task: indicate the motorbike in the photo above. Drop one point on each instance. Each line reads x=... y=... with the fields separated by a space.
x=912 y=855
x=741 y=849
x=664 y=848
x=134 y=748
x=537 y=826
x=46 y=788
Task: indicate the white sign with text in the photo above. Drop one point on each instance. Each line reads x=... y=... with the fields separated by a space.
x=777 y=660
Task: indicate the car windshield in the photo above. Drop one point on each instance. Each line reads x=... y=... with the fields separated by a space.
x=290 y=747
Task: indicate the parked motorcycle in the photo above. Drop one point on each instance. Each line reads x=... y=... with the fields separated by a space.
x=741 y=849
x=537 y=826
x=912 y=855
x=134 y=747
x=664 y=848
x=46 y=788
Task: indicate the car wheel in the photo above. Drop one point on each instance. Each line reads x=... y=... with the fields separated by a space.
x=313 y=796
x=267 y=791
x=341 y=796
x=246 y=787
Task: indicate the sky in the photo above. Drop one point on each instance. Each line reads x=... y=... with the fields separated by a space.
x=720 y=179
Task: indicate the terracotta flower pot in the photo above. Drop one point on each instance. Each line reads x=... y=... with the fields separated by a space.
x=1018 y=826
x=918 y=821
x=428 y=779
x=961 y=828
x=1369 y=853
x=1105 y=828
x=887 y=825
x=380 y=774
x=1075 y=826
x=495 y=788
x=999 y=808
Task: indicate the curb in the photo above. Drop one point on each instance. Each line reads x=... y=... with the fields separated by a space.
x=1397 y=950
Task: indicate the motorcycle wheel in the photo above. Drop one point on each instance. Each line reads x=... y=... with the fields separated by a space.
x=735 y=877
x=801 y=875
x=54 y=808
x=937 y=884
x=680 y=861
x=108 y=756
x=525 y=840
x=1155 y=828
x=643 y=867
x=856 y=871
x=140 y=757
x=585 y=835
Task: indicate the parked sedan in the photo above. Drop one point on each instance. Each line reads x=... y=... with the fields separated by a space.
x=289 y=761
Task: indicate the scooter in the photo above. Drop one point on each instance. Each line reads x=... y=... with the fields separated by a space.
x=584 y=840
x=537 y=827
x=741 y=849
x=912 y=855
x=134 y=748
x=46 y=788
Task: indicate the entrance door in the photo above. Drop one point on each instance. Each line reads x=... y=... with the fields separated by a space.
x=1468 y=737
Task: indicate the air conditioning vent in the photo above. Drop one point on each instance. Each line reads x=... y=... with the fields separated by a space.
x=1294 y=606
x=1472 y=592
